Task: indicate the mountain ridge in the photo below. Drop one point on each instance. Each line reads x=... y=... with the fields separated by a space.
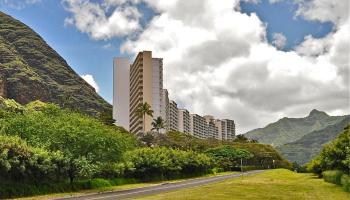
x=31 y=70
x=299 y=139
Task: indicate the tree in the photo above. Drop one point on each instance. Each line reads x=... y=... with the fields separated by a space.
x=107 y=118
x=228 y=157
x=143 y=110
x=334 y=156
x=241 y=138
x=158 y=124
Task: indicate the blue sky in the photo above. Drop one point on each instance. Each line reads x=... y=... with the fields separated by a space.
x=88 y=56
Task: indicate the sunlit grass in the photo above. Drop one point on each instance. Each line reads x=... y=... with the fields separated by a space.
x=277 y=184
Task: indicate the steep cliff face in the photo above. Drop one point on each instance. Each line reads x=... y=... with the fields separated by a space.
x=31 y=70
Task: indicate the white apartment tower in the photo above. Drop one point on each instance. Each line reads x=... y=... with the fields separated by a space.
x=165 y=109
x=121 y=76
x=230 y=129
x=198 y=126
x=157 y=87
x=212 y=130
x=146 y=86
x=184 y=120
x=173 y=116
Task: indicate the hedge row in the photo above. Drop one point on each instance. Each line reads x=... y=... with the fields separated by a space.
x=337 y=177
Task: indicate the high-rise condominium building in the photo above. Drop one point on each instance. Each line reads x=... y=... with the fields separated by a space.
x=230 y=129
x=146 y=86
x=198 y=126
x=165 y=109
x=157 y=87
x=212 y=130
x=173 y=116
x=184 y=121
x=121 y=89
x=221 y=134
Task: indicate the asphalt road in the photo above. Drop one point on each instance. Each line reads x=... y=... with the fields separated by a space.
x=165 y=187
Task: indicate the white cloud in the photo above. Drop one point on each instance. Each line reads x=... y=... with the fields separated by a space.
x=18 y=4
x=108 y=46
x=279 y=40
x=324 y=10
x=218 y=61
x=90 y=79
x=274 y=1
x=92 y=18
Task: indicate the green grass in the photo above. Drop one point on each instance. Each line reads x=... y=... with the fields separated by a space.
x=279 y=184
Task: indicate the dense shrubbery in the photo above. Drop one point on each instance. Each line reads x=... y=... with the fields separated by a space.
x=227 y=157
x=42 y=144
x=333 y=176
x=86 y=144
x=163 y=163
x=334 y=156
x=264 y=156
x=345 y=182
x=333 y=163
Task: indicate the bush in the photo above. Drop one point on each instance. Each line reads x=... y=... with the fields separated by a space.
x=228 y=157
x=333 y=176
x=163 y=163
x=99 y=183
x=345 y=182
x=85 y=142
x=334 y=156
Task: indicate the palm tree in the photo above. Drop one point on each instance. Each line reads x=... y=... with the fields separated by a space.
x=158 y=124
x=143 y=110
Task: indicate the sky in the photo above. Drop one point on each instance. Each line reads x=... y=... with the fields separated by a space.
x=253 y=61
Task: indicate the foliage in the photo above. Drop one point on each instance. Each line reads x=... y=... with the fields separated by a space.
x=143 y=110
x=85 y=142
x=164 y=163
x=228 y=157
x=298 y=168
x=334 y=156
x=19 y=161
x=158 y=124
x=332 y=176
x=345 y=182
x=265 y=156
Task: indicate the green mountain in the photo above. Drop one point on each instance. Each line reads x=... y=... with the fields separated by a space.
x=299 y=139
x=31 y=70
x=310 y=145
x=288 y=130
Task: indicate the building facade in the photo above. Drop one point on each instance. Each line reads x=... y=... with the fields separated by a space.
x=212 y=130
x=230 y=129
x=173 y=116
x=184 y=120
x=198 y=126
x=121 y=90
x=141 y=91
x=165 y=109
x=157 y=87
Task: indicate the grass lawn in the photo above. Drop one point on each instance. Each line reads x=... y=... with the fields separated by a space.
x=276 y=184
x=115 y=188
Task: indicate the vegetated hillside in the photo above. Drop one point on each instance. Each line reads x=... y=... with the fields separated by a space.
x=287 y=130
x=310 y=145
x=31 y=70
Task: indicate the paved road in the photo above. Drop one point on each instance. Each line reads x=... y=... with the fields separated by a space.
x=125 y=194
